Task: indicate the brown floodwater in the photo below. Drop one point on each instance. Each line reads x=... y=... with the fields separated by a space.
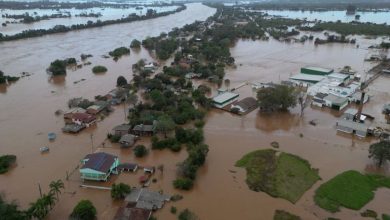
x=27 y=115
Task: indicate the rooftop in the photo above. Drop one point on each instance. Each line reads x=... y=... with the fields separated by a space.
x=247 y=103
x=146 y=199
x=335 y=99
x=320 y=69
x=352 y=124
x=223 y=97
x=99 y=161
x=127 y=138
x=122 y=127
x=339 y=76
x=307 y=77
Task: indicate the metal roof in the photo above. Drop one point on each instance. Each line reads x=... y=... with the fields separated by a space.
x=307 y=77
x=226 y=96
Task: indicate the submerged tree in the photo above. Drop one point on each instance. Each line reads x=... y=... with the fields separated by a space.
x=380 y=152
x=84 y=210
x=277 y=98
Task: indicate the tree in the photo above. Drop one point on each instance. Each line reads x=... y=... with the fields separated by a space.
x=119 y=191
x=84 y=210
x=187 y=215
x=140 y=151
x=227 y=83
x=183 y=183
x=49 y=200
x=57 y=67
x=135 y=44
x=10 y=211
x=56 y=186
x=132 y=99
x=121 y=81
x=99 y=69
x=303 y=101
x=165 y=124
x=380 y=152
x=276 y=98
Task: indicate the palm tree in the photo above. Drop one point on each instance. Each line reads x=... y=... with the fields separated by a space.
x=38 y=209
x=56 y=186
x=49 y=200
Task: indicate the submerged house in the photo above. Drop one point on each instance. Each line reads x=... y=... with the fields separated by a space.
x=99 y=166
x=224 y=99
x=145 y=199
x=121 y=130
x=144 y=129
x=83 y=119
x=336 y=102
x=128 y=140
x=352 y=127
x=245 y=105
x=68 y=114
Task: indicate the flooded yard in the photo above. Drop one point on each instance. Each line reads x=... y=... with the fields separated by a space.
x=220 y=192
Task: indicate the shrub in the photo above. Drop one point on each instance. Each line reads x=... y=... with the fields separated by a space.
x=119 y=191
x=5 y=162
x=118 y=52
x=57 y=67
x=135 y=44
x=84 y=210
x=173 y=209
x=140 y=151
x=99 y=69
x=187 y=215
x=183 y=183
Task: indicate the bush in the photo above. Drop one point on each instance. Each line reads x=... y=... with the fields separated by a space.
x=84 y=210
x=119 y=191
x=140 y=151
x=183 y=183
x=176 y=197
x=135 y=44
x=173 y=209
x=121 y=81
x=113 y=138
x=99 y=69
x=187 y=215
x=118 y=52
x=57 y=67
x=369 y=213
x=5 y=162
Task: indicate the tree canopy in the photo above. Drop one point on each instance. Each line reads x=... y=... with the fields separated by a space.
x=84 y=210
x=380 y=152
x=277 y=98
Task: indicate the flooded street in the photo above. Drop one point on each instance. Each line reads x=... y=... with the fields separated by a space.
x=27 y=114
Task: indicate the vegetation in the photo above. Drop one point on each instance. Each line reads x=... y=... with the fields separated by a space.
x=120 y=51
x=278 y=174
x=58 y=67
x=350 y=189
x=136 y=44
x=84 y=210
x=4 y=78
x=173 y=209
x=380 y=152
x=187 y=215
x=90 y=24
x=121 y=81
x=369 y=213
x=119 y=191
x=351 y=28
x=6 y=162
x=140 y=151
x=277 y=98
x=183 y=183
x=283 y=215
x=10 y=211
x=41 y=207
x=99 y=69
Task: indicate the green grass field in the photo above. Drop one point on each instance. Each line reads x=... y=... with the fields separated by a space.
x=350 y=189
x=278 y=174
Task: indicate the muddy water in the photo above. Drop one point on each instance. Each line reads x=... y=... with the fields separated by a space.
x=27 y=115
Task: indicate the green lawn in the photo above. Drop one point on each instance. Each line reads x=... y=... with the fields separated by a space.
x=350 y=189
x=283 y=215
x=278 y=174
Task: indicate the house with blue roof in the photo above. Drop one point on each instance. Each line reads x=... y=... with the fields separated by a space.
x=99 y=166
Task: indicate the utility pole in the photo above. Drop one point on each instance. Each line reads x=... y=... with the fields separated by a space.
x=40 y=190
x=91 y=143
